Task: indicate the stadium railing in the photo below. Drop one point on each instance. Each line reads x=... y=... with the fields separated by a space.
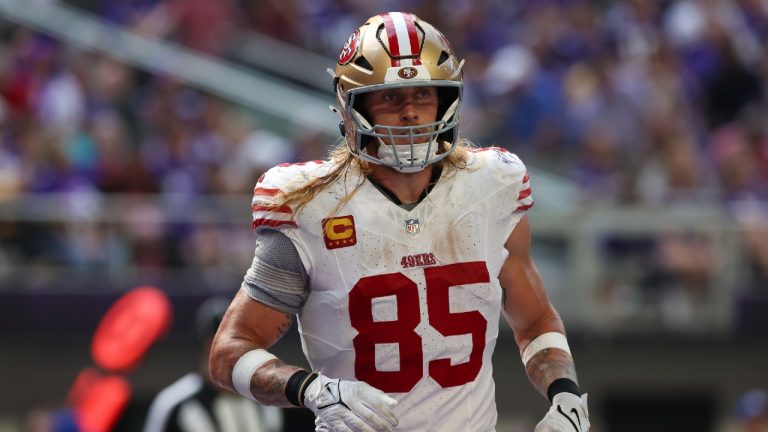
x=600 y=265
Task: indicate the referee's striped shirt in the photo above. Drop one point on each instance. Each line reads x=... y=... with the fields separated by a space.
x=189 y=405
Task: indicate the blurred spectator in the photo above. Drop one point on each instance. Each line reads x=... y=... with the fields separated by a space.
x=684 y=272
x=672 y=173
x=731 y=87
x=634 y=26
x=598 y=172
x=279 y=19
x=255 y=151
x=198 y=24
x=740 y=152
x=656 y=282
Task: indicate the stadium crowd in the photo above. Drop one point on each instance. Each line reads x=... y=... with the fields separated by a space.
x=646 y=103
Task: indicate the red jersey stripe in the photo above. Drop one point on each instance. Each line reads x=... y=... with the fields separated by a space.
x=270 y=223
x=524 y=207
x=524 y=194
x=525 y=178
x=482 y=149
x=275 y=209
x=288 y=164
x=266 y=191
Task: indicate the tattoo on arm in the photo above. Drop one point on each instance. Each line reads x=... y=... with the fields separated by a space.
x=548 y=365
x=282 y=327
x=268 y=383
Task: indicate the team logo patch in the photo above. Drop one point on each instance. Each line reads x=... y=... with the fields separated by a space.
x=339 y=232
x=412 y=226
x=407 y=72
x=350 y=48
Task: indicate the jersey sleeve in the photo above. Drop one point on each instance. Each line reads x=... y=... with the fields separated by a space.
x=512 y=197
x=277 y=277
x=524 y=195
x=266 y=210
x=266 y=207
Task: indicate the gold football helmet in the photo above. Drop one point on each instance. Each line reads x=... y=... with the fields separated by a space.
x=399 y=50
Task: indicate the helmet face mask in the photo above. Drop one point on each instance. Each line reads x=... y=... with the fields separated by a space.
x=405 y=148
x=397 y=50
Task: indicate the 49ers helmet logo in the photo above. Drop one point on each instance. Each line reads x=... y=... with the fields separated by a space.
x=350 y=48
x=407 y=72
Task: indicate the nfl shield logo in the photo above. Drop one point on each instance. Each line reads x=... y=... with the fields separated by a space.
x=412 y=226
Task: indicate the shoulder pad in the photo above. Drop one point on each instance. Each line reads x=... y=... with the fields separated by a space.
x=265 y=207
x=500 y=162
x=507 y=169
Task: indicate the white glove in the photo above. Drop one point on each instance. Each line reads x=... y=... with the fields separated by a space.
x=320 y=426
x=346 y=406
x=568 y=413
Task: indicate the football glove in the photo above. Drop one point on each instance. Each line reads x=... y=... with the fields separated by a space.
x=349 y=406
x=568 y=413
x=320 y=426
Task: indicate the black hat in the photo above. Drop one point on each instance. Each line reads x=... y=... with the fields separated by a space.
x=209 y=316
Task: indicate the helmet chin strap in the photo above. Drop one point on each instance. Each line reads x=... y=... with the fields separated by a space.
x=400 y=157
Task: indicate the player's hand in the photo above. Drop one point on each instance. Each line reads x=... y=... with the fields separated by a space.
x=568 y=413
x=341 y=405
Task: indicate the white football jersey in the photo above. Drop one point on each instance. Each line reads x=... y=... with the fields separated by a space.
x=407 y=301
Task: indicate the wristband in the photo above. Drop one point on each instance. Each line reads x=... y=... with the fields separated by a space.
x=294 y=386
x=244 y=369
x=562 y=385
x=311 y=377
x=544 y=341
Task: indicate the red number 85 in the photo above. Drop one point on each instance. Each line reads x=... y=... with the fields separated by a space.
x=402 y=330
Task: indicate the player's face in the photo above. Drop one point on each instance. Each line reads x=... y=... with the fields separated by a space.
x=403 y=106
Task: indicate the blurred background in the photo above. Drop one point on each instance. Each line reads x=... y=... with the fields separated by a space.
x=133 y=131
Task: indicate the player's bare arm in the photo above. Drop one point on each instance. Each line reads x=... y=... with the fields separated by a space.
x=529 y=312
x=250 y=325
x=548 y=365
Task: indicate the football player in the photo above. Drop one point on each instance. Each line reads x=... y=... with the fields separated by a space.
x=397 y=255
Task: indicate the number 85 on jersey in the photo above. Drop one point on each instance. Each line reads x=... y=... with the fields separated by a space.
x=402 y=330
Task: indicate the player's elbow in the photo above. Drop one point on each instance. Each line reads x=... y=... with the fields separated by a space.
x=220 y=363
x=546 y=321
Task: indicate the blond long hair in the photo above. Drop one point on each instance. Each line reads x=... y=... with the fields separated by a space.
x=345 y=163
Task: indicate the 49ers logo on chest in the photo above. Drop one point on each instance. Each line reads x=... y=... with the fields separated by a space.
x=418 y=260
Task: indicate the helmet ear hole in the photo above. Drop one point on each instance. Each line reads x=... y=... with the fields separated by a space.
x=358 y=104
x=363 y=63
x=342 y=128
x=445 y=97
x=444 y=56
x=446 y=136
